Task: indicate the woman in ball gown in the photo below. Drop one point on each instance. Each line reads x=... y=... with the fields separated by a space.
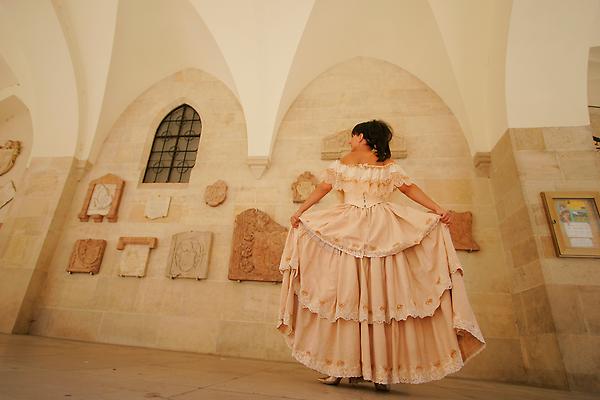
x=373 y=290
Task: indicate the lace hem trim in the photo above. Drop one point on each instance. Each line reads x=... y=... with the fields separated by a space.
x=470 y=327
x=383 y=374
x=360 y=253
x=366 y=315
x=479 y=350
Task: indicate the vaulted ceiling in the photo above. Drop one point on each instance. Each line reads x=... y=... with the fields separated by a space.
x=496 y=63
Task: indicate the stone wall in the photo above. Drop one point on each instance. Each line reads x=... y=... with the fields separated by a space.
x=238 y=319
x=556 y=299
x=30 y=236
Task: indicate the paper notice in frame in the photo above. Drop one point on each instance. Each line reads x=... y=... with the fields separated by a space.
x=579 y=234
x=581 y=242
x=574 y=222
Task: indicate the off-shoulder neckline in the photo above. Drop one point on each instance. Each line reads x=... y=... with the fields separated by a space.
x=366 y=165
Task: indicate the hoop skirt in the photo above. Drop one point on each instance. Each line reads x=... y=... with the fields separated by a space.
x=375 y=289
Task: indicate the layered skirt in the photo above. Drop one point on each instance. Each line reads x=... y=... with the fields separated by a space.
x=376 y=292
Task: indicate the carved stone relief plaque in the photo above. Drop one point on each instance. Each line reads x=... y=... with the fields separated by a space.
x=134 y=258
x=87 y=256
x=461 y=231
x=189 y=255
x=9 y=152
x=157 y=206
x=102 y=199
x=303 y=186
x=216 y=193
x=7 y=193
x=334 y=146
x=257 y=246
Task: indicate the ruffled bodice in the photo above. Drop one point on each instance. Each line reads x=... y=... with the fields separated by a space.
x=377 y=181
x=366 y=224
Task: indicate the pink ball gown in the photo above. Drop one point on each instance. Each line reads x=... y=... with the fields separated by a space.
x=375 y=289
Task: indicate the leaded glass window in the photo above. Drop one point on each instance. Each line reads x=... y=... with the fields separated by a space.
x=175 y=145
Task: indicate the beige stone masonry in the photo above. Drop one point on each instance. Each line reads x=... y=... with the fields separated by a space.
x=30 y=235
x=552 y=296
x=238 y=319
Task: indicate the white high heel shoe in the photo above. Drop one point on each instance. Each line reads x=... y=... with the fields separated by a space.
x=382 y=387
x=330 y=380
x=334 y=380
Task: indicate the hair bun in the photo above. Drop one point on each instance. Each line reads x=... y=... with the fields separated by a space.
x=377 y=134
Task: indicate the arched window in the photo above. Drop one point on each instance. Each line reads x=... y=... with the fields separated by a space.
x=175 y=145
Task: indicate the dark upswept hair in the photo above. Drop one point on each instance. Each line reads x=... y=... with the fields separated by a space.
x=378 y=134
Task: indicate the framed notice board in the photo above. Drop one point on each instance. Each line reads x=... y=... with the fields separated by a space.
x=574 y=222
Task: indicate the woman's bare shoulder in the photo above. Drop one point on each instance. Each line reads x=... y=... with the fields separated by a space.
x=346 y=159
x=351 y=159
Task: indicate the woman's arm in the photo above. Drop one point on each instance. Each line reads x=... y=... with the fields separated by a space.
x=415 y=193
x=321 y=190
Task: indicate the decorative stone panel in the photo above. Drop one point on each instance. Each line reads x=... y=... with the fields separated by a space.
x=189 y=255
x=87 y=256
x=257 y=246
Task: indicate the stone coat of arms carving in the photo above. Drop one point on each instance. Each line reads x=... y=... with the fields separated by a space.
x=189 y=255
x=216 y=193
x=303 y=186
x=87 y=256
x=9 y=152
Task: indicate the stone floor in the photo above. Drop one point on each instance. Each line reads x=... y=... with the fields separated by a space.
x=40 y=368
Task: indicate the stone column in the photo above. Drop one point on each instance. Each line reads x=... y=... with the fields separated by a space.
x=29 y=236
x=553 y=297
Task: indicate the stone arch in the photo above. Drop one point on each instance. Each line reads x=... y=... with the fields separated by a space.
x=411 y=107
x=216 y=104
x=184 y=42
